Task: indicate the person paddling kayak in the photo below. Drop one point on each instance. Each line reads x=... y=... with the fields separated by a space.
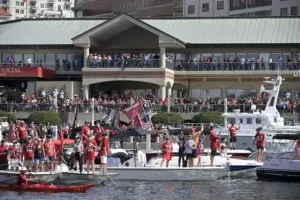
x=22 y=179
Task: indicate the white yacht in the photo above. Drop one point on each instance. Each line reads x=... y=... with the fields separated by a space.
x=281 y=164
x=269 y=119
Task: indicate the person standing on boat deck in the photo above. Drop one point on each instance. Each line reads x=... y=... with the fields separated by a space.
x=3 y=156
x=189 y=146
x=166 y=149
x=22 y=133
x=232 y=134
x=181 y=142
x=78 y=149
x=260 y=140
x=28 y=153
x=214 y=144
x=14 y=154
x=104 y=148
x=222 y=147
x=200 y=151
x=296 y=155
x=85 y=131
x=39 y=155
x=98 y=131
x=50 y=153
x=91 y=154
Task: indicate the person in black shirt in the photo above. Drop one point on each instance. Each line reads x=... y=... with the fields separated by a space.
x=181 y=142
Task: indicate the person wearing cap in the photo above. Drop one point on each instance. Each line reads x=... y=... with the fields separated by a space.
x=166 y=149
x=232 y=134
x=3 y=156
x=22 y=179
x=260 y=140
x=78 y=152
x=50 y=153
x=181 y=142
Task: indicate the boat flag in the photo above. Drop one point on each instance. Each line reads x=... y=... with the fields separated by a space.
x=111 y=119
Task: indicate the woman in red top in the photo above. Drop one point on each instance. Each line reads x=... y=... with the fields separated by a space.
x=28 y=153
x=260 y=140
x=166 y=149
x=214 y=144
x=50 y=152
x=22 y=133
x=91 y=153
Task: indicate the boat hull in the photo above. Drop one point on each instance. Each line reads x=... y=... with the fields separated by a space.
x=277 y=175
x=84 y=178
x=11 y=177
x=168 y=174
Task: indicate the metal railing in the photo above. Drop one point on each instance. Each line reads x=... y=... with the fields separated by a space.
x=124 y=63
x=255 y=4
x=155 y=108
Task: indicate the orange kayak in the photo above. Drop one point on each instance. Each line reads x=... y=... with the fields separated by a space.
x=47 y=188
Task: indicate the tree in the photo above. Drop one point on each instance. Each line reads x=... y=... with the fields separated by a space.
x=167 y=118
x=44 y=117
x=10 y=117
x=208 y=117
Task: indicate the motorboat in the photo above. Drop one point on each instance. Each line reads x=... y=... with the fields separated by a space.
x=75 y=177
x=47 y=188
x=269 y=119
x=281 y=164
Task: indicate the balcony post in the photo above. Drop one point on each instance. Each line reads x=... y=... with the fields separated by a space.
x=162 y=56
x=86 y=53
x=163 y=92
x=85 y=91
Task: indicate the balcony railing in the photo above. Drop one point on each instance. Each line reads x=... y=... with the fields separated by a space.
x=59 y=67
x=178 y=3
x=155 y=108
x=260 y=3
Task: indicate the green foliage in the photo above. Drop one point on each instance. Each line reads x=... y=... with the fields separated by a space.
x=44 y=117
x=10 y=117
x=166 y=118
x=208 y=117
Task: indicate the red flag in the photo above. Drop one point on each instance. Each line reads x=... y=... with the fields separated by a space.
x=133 y=111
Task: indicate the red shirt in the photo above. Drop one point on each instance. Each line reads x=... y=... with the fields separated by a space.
x=3 y=156
x=214 y=140
x=22 y=130
x=260 y=139
x=166 y=148
x=22 y=180
x=104 y=147
x=28 y=150
x=49 y=148
x=232 y=130
x=14 y=152
x=85 y=132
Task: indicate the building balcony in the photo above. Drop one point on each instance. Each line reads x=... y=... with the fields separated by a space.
x=178 y=3
x=4 y=5
x=51 y=2
x=256 y=4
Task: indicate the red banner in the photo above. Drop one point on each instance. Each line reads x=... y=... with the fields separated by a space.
x=26 y=72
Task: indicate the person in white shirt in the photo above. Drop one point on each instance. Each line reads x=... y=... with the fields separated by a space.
x=189 y=146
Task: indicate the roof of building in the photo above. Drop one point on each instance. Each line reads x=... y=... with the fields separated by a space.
x=190 y=31
x=4 y=12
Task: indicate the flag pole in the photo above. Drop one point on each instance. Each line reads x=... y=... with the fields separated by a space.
x=26 y=9
x=246 y=7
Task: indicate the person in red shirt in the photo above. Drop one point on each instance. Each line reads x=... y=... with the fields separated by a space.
x=28 y=153
x=14 y=154
x=214 y=144
x=260 y=140
x=166 y=149
x=104 y=148
x=85 y=131
x=296 y=155
x=22 y=180
x=22 y=133
x=232 y=134
x=50 y=153
x=98 y=131
x=3 y=156
x=91 y=149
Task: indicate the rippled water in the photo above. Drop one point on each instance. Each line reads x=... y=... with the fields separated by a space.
x=237 y=189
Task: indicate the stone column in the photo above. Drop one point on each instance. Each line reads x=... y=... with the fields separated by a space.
x=86 y=53
x=169 y=98
x=163 y=57
x=85 y=91
x=163 y=92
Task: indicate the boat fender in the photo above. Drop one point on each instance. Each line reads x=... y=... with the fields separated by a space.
x=250 y=149
x=127 y=164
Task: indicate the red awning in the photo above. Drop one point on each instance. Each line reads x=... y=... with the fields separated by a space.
x=26 y=72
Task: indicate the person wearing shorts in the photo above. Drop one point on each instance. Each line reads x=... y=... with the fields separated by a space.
x=39 y=156
x=214 y=144
x=104 y=148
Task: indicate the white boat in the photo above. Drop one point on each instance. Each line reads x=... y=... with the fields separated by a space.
x=281 y=164
x=75 y=177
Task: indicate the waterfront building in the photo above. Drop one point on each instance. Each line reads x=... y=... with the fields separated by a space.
x=38 y=8
x=240 y=8
x=183 y=57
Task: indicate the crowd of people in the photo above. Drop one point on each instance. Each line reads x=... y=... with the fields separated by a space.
x=33 y=145
x=104 y=102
